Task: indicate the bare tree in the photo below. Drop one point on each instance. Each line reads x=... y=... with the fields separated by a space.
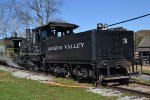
x=13 y=16
x=44 y=9
x=20 y=14
x=57 y=20
x=3 y=24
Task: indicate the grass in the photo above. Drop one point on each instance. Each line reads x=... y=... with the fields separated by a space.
x=127 y=94
x=12 y=88
x=146 y=71
x=141 y=81
x=72 y=82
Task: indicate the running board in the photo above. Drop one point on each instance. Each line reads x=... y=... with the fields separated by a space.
x=116 y=78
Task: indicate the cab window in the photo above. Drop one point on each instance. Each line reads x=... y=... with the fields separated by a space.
x=44 y=35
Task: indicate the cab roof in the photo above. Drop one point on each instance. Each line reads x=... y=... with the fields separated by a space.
x=57 y=25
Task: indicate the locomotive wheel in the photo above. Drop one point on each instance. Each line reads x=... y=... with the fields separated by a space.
x=81 y=72
x=43 y=68
x=67 y=73
x=56 y=70
x=30 y=68
x=35 y=68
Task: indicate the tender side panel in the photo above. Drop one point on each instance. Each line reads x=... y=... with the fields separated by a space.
x=127 y=44
x=75 y=47
x=114 y=44
x=103 y=44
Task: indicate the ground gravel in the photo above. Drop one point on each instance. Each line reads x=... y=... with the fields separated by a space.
x=26 y=74
x=22 y=74
x=110 y=92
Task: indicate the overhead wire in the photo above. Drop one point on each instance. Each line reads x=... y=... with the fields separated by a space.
x=128 y=20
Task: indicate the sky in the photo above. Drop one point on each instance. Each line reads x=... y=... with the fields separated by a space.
x=87 y=13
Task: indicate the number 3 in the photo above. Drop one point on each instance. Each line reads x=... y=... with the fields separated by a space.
x=125 y=41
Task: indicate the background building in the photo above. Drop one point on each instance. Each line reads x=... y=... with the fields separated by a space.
x=10 y=46
x=144 y=50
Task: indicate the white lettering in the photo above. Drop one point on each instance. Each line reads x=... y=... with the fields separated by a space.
x=54 y=48
x=69 y=46
x=65 y=46
x=82 y=45
x=125 y=41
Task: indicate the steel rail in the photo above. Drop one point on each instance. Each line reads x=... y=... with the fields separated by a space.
x=136 y=92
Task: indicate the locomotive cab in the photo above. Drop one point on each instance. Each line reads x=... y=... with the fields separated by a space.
x=35 y=44
x=51 y=30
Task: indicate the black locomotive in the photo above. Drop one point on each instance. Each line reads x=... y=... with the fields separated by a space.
x=96 y=54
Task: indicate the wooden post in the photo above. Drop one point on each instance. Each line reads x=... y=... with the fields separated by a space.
x=132 y=67
x=149 y=58
x=141 y=68
x=136 y=68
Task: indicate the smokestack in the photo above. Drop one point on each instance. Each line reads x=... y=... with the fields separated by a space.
x=28 y=34
x=14 y=34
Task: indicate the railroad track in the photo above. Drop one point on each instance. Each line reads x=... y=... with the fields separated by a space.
x=136 y=88
x=146 y=74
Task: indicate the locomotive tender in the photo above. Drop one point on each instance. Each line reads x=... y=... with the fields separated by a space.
x=96 y=54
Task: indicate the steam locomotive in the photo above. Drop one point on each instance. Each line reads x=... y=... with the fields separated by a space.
x=100 y=55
